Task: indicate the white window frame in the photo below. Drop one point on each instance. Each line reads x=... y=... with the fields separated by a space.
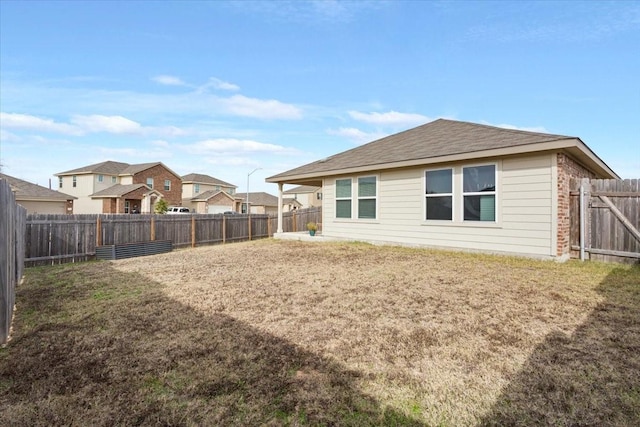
x=167 y=185
x=150 y=183
x=452 y=194
x=59 y=182
x=74 y=179
x=350 y=198
x=375 y=198
x=114 y=179
x=494 y=193
x=196 y=188
x=100 y=178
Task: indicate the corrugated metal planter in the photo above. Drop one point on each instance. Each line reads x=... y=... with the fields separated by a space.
x=130 y=250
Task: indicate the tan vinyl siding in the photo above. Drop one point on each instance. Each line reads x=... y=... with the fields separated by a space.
x=523 y=204
x=42 y=207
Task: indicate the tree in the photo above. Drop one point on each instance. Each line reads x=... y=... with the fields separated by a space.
x=161 y=206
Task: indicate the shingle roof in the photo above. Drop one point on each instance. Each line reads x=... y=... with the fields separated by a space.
x=205 y=179
x=25 y=190
x=106 y=168
x=113 y=168
x=261 y=198
x=209 y=194
x=118 y=190
x=303 y=189
x=429 y=142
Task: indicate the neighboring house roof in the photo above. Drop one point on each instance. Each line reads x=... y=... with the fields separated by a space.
x=303 y=189
x=119 y=190
x=204 y=179
x=25 y=190
x=114 y=168
x=209 y=194
x=106 y=168
x=441 y=141
x=290 y=201
x=259 y=199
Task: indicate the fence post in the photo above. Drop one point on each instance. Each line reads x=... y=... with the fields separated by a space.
x=295 y=222
x=224 y=228
x=153 y=228
x=98 y=231
x=249 y=225
x=193 y=231
x=269 y=227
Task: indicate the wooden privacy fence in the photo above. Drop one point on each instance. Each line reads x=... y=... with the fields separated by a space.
x=297 y=220
x=53 y=239
x=12 y=228
x=605 y=219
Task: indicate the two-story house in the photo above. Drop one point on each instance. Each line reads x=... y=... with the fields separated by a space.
x=114 y=187
x=206 y=194
x=309 y=196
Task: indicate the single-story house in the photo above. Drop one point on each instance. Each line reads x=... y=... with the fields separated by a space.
x=453 y=184
x=128 y=198
x=265 y=203
x=37 y=199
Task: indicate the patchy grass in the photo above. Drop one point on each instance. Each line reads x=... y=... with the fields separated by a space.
x=291 y=333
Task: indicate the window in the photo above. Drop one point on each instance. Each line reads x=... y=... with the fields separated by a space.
x=439 y=194
x=167 y=185
x=75 y=181
x=232 y=191
x=114 y=179
x=217 y=187
x=150 y=183
x=343 y=198
x=367 y=197
x=243 y=209
x=479 y=193
x=100 y=178
x=318 y=196
x=196 y=188
x=127 y=206
x=59 y=182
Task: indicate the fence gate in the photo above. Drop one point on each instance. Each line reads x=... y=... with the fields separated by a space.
x=605 y=219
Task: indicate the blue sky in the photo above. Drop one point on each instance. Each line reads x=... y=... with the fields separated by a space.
x=222 y=88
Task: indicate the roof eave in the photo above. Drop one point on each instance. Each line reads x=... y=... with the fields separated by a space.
x=573 y=145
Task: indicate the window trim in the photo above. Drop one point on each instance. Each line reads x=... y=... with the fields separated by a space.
x=74 y=179
x=374 y=198
x=59 y=182
x=150 y=182
x=494 y=193
x=196 y=188
x=452 y=195
x=350 y=198
x=100 y=178
x=167 y=185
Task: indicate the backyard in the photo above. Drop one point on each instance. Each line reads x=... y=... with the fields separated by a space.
x=290 y=333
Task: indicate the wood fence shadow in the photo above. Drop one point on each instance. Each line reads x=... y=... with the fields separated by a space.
x=137 y=357
x=590 y=378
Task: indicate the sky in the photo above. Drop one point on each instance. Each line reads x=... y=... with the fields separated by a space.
x=225 y=88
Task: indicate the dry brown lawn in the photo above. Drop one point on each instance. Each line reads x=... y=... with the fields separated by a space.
x=289 y=333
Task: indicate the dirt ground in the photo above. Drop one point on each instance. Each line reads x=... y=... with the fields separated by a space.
x=291 y=333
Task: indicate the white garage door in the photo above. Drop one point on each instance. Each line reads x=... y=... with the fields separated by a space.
x=214 y=209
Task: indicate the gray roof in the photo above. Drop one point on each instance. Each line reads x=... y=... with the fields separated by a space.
x=118 y=190
x=114 y=168
x=25 y=190
x=440 y=140
x=259 y=199
x=106 y=168
x=303 y=189
x=205 y=179
x=209 y=194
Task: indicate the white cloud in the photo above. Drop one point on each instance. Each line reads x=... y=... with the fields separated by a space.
x=33 y=123
x=390 y=118
x=109 y=124
x=169 y=80
x=215 y=83
x=356 y=135
x=261 y=109
x=230 y=161
x=231 y=145
x=160 y=143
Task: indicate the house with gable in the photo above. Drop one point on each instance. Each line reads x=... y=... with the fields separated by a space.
x=453 y=184
x=115 y=187
x=309 y=196
x=265 y=203
x=206 y=194
x=37 y=199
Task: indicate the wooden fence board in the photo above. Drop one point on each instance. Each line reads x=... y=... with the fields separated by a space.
x=612 y=221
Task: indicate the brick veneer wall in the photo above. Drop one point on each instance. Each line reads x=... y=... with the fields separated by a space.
x=567 y=168
x=159 y=173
